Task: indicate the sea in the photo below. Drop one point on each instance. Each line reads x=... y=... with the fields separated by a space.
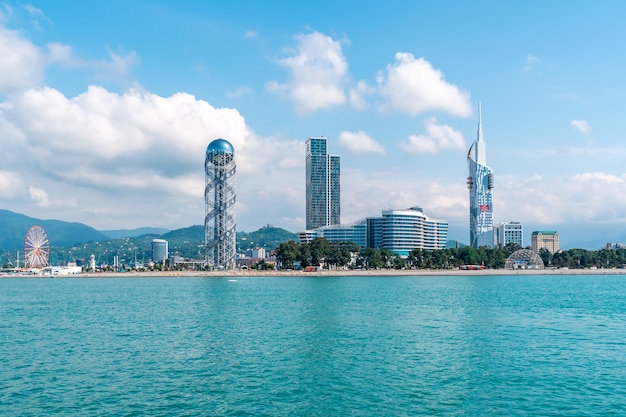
x=540 y=345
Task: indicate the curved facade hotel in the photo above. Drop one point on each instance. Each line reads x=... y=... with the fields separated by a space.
x=219 y=198
x=405 y=230
x=399 y=231
x=480 y=185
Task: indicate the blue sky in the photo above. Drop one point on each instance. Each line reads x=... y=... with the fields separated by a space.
x=106 y=109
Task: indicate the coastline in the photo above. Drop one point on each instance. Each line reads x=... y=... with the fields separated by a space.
x=347 y=273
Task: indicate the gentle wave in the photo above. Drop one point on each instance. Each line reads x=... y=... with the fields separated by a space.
x=305 y=346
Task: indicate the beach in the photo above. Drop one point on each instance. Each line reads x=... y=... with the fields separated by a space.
x=357 y=272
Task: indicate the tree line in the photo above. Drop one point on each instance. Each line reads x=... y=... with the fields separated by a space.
x=342 y=255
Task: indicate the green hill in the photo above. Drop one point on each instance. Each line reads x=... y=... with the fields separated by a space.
x=76 y=241
x=121 y=233
x=13 y=228
x=267 y=237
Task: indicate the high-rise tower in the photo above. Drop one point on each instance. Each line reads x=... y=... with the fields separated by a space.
x=322 y=185
x=480 y=184
x=219 y=198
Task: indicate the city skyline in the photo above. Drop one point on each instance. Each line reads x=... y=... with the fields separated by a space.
x=106 y=109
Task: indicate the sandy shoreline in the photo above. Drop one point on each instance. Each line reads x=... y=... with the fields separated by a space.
x=449 y=272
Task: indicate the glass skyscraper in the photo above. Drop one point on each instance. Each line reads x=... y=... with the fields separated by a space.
x=480 y=184
x=322 y=185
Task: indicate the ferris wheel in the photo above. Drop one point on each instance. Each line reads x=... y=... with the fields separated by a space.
x=36 y=248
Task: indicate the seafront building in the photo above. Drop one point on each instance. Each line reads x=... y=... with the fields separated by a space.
x=355 y=233
x=405 y=230
x=480 y=185
x=219 y=196
x=399 y=231
x=509 y=232
x=160 y=251
x=322 y=184
x=545 y=239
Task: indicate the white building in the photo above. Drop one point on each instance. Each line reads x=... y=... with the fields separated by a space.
x=405 y=230
x=399 y=231
x=159 y=251
x=509 y=232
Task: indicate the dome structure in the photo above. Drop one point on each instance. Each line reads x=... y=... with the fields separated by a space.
x=524 y=259
x=220 y=145
x=220 y=152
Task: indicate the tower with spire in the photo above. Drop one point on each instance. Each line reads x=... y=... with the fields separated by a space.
x=480 y=185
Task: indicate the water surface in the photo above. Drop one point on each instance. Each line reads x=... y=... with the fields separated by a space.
x=314 y=346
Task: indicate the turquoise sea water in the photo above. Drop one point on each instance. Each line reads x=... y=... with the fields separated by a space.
x=314 y=346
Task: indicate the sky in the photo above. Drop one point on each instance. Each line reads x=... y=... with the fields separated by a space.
x=107 y=107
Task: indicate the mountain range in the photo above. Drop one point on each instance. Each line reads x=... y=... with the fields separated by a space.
x=70 y=241
x=13 y=228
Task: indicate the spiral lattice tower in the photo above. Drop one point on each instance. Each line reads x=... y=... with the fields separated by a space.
x=219 y=197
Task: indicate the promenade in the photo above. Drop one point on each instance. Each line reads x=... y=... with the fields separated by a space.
x=360 y=272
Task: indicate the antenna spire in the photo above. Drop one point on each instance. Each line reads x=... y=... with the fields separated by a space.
x=480 y=123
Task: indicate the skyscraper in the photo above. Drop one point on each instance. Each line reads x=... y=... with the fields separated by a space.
x=322 y=185
x=480 y=184
x=219 y=198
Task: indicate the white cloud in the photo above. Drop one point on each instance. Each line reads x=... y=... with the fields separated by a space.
x=359 y=143
x=119 y=66
x=58 y=52
x=413 y=86
x=437 y=138
x=239 y=91
x=439 y=200
x=590 y=198
x=318 y=71
x=531 y=62
x=22 y=64
x=250 y=34
x=89 y=153
x=357 y=95
x=39 y=196
x=10 y=184
x=581 y=125
x=34 y=11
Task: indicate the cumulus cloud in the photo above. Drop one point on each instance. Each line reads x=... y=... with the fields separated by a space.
x=359 y=143
x=591 y=198
x=440 y=200
x=437 y=138
x=581 y=125
x=22 y=64
x=317 y=70
x=413 y=86
x=100 y=147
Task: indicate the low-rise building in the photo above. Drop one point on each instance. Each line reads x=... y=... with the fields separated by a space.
x=545 y=239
